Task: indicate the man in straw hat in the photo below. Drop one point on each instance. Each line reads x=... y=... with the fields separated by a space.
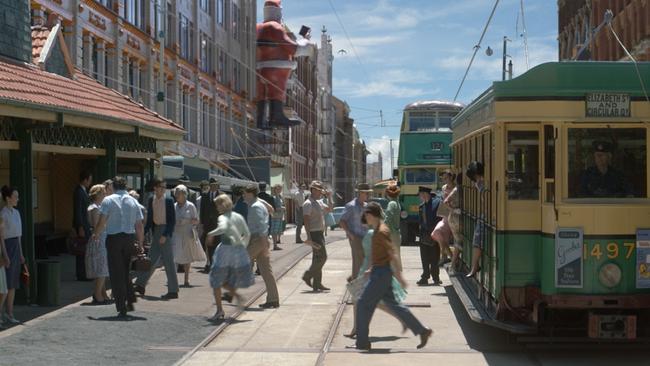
x=354 y=229
x=313 y=213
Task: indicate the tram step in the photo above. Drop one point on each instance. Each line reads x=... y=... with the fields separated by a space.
x=477 y=311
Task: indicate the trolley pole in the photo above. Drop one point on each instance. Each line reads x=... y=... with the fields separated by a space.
x=503 y=67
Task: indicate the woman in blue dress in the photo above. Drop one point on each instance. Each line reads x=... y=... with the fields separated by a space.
x=231 y=266
x=398 y=289
x=13 y=233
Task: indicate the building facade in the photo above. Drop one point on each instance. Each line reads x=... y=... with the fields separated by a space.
x=207 y=80
x=56 y=122
x=326 y=115
x=343 y=141
x=375 y=170
x=578 y=18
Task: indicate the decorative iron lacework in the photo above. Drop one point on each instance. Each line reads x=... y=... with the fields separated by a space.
x=69 y=136
x=136 y=144
x=7 y=129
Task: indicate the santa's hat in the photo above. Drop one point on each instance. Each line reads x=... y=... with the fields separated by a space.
x=272 y=10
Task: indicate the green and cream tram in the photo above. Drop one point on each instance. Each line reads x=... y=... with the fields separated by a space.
x=566 y=211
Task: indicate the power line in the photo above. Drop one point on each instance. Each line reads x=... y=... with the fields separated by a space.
x=356 y=54
x=476 y=48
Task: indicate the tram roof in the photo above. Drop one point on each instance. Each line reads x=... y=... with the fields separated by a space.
x=433 y=104
x=564 y=81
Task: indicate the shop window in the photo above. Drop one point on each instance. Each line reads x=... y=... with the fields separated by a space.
x=607 y=162
x=522 y=167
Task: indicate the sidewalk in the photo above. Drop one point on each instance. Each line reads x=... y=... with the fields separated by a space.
x=158 y=333
x=305 y=331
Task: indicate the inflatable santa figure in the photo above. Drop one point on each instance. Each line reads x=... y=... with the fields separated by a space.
x=275 y=62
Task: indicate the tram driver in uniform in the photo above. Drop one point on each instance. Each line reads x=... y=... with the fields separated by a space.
x=602 y=180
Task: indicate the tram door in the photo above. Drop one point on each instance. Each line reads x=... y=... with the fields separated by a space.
x=522 y=189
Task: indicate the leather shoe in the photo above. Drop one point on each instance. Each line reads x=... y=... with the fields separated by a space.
x=170 y=296
x=270 y=305
x=323 y=288
x=437 y=282
x=122 y=314
x=305 y=277
x=423 y=282
x=424 y=337
x=139 y=289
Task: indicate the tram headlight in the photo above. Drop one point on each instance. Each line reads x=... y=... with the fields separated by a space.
x=610 y=275
x=403 y=214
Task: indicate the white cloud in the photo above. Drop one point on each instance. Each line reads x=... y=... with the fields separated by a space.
x=387 y=88
x=376 y=145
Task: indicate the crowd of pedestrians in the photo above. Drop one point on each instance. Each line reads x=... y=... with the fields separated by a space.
x=232 y=233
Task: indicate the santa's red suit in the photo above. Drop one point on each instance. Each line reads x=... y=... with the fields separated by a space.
x=275 y=62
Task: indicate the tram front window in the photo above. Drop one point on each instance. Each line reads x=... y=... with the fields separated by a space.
x=607 y=162
x=420 y=176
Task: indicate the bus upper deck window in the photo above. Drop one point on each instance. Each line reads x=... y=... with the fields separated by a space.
x=607 y=162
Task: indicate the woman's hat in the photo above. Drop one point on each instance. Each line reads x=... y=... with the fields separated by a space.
x=424 y=189
x=363 y=187
x=213 y=181
x=392 y=190
x=602 y=146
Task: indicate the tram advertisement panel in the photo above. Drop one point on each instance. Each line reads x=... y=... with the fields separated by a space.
x=643 y=258
x=568 y=257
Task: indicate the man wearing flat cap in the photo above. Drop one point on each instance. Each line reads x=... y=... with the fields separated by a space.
x=429 y=250
x=354 y=229
x=602 y=180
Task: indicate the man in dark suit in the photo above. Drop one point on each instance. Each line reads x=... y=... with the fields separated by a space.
x=81 y=201
x=209 y=217
x=161 y=220
x=429 y=249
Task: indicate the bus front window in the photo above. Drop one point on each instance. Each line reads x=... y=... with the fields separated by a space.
x=420 y=176
x=607 y=162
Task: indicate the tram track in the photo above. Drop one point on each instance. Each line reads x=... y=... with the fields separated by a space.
x=240 y=310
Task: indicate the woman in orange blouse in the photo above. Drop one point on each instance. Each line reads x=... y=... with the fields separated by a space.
x=379 y=287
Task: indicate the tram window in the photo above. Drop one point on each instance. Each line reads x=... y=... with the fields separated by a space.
x=420 y=175
x=607 y=162
x=523 y=165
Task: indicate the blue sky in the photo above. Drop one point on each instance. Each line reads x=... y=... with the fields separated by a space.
x=418 y=50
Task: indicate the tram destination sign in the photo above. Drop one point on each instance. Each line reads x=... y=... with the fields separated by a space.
x=568 y=257
x=607 y=105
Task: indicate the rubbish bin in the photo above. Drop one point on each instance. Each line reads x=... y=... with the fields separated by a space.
x=48 y=281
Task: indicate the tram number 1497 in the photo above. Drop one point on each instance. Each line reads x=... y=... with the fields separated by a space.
x=611 y=250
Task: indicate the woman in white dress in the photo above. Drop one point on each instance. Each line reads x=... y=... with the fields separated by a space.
x=184 y=238
x=96 y=255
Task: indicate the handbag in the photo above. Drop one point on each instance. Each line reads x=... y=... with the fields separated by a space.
x=24 y=275
x=141 y=263
x=196 y=249
x=357 y=285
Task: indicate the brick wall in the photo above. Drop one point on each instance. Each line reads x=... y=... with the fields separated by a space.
x=15 y=30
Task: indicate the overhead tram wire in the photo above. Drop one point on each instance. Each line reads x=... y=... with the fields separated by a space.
x=356 y=54
x=476 y=48
x=636 y=64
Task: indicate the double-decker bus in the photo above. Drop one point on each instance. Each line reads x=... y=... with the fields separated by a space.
x=424 y=151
